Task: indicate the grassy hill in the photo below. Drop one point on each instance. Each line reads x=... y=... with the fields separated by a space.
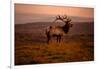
x=31 y=46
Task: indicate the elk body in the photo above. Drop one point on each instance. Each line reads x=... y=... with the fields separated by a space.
x=58 y=31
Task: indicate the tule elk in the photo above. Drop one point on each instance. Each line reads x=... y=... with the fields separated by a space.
x=59 y=31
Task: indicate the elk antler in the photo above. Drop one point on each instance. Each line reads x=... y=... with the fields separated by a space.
x=58 y=17
x=63 y=18
x=66 y=19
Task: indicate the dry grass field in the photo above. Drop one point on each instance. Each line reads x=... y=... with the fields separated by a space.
x=31 y=48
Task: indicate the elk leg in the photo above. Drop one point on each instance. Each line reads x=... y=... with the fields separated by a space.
x=48 y=39
x=59 y=38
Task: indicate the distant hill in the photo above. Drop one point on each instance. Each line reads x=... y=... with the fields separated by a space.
x=27 y=18
x=39 y=27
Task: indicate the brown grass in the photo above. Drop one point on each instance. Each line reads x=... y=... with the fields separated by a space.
x=41 y=53
x=31 y=46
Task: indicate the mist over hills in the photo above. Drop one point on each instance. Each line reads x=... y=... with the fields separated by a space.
x=33 y=18
x=39 y=28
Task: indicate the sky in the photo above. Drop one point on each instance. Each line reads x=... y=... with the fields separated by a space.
x=39 y=12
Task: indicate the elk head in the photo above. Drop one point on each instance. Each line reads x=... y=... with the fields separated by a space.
x=67 y=22
x=65 y=19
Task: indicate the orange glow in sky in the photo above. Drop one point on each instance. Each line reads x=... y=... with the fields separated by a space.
x=54 y=10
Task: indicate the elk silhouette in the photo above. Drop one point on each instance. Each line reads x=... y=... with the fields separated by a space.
x=58 y=31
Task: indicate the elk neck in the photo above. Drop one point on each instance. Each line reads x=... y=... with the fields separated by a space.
x=65 y=28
